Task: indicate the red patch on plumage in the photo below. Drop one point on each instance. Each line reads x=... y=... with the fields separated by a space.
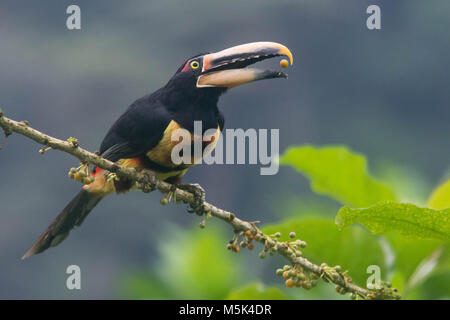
x=95 y=171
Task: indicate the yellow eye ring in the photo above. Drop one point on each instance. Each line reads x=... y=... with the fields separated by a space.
x=195 y=64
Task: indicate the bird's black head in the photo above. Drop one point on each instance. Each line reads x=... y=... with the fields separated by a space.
x=182 y=86
x=201 y=80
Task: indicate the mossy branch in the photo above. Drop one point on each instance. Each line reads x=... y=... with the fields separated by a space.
x=147 y=181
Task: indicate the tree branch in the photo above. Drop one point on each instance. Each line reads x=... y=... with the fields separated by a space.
x=146 y=181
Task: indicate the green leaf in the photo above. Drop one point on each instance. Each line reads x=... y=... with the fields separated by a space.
x=257 y=291
x=411 y=221
x=409 y=253
x=325 y=243
x=411 y=256
x=425 y=268
x=435 y=287
x=440 y=198
x=339 y=173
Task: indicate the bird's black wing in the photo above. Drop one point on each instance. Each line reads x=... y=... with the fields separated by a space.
x=137 y=131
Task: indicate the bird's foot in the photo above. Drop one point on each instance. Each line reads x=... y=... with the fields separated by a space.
x=147 y=186
x=199 y=197
x=111 y=176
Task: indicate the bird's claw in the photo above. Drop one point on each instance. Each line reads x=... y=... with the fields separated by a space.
x=199 y=197
x=146 y=186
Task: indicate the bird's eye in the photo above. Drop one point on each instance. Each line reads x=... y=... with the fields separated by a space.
x=195 y=64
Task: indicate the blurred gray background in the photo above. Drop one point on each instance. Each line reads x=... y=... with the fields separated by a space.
x=383 y=93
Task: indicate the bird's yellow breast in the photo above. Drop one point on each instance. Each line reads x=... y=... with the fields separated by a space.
x=162 y=152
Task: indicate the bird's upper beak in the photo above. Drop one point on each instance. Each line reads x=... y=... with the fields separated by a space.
x=226 y=68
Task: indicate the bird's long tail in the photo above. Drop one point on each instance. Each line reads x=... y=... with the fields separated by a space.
x=71 y=216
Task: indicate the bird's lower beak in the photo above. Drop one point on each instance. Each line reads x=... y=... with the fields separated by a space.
x=226 y=68
x=235 y=77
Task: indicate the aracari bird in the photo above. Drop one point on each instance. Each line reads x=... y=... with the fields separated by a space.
x=141 y=137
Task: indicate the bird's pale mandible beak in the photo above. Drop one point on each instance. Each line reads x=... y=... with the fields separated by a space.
x=226 y=68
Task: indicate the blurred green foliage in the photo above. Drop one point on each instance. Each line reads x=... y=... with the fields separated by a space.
x=257 y=291
x=409 y=243
x=193 y=265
